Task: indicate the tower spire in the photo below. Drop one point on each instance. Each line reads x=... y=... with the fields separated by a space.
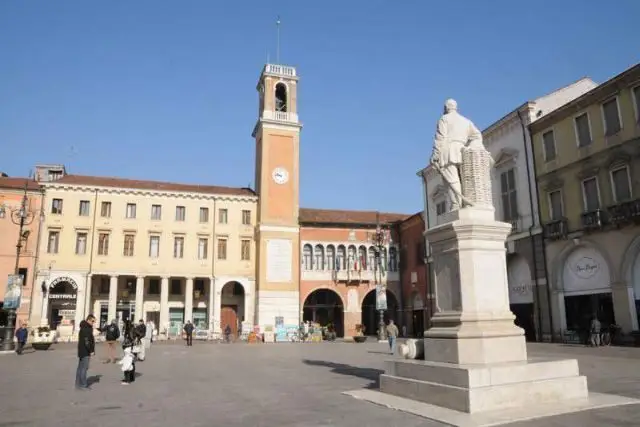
x=278 y=40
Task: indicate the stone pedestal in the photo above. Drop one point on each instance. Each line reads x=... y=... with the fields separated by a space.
x=475 y=356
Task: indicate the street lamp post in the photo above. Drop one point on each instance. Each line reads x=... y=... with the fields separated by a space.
x=379 y=239
x=21 y=217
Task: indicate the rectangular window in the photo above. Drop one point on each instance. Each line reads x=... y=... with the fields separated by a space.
x=549 y=143
x=180 y=213
x=509 y=195
x=103 y=244
x=178 y=247
x=222 y=216
x=441 y=208
x=154 y=287
x=129 y=242
x=156 y=212
x=81 y=243
x=611 y=115
x=131 y=210
x=245 y=250
x=56 y=206
x=105 y=210
x=204 y=214
x=54 y=240
x=246 y=217
x=620 y=183
x=555 y=205
x=203 y=248
x=590 y=194
x=222 y=248
x=104 y=285
x=84 y=208
x=154 y=246
x=583 y=132
x=176 y=287
x=636 y=97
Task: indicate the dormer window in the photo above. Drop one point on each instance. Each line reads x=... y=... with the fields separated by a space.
x=281 y=97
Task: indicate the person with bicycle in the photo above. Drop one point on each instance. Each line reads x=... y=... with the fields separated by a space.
x=594 y=338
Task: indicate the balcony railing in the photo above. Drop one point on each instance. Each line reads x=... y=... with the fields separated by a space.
x=280 y=116
x=280 y=70
x=556 y=229
x=593 y=220
x=350 y=276
x=624 y=212
x=516 y=224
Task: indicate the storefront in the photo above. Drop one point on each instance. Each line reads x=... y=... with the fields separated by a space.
x=62 y=303
x=586 y=291
x=521 y=298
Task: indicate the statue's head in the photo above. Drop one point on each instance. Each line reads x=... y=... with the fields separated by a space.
x=450 y=105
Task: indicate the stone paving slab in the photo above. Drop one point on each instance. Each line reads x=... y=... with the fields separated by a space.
x=289 y=385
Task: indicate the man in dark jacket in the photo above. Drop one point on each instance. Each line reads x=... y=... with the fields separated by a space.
x=86 y=349
x=112 y=333
x=21 y=335
x=188 y=330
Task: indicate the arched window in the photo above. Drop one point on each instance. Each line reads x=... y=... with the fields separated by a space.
x=342 y=257
x=362 y=257
x=331 y=257
x=319 y=257
x=307 y=257
x=393 y=259
x=372 y=259
x=281 y=97
x=351 y=257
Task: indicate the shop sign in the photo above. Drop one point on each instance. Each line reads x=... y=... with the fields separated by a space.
x=62 y=296
x=586 y=267
x=63 y=279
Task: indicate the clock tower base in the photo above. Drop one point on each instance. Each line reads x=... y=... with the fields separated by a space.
x=275 y=304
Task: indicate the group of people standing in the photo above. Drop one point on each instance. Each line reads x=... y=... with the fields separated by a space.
x=135 y=340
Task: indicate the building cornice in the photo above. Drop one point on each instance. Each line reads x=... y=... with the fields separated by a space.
x=136 y=192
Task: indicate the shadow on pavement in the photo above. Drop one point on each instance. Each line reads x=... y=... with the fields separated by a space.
x=370 y=374
x=93 y=379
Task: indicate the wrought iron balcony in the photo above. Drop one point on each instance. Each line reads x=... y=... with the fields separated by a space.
x=516 y=224
x=593 y=220
x=625 y=212
x=556 y=229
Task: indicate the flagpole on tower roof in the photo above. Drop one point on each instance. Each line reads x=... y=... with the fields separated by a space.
x=278 y=40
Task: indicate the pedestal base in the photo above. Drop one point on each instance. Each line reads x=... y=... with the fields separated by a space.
x=479 y=388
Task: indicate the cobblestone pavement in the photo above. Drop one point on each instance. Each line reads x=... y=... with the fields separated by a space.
x=283 y=385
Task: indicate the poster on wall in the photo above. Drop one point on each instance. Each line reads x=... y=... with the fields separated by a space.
x=13 y=293
x=381 y=297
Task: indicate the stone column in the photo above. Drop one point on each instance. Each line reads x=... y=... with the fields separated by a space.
x=624 y=306
x=80 y=300
x=164 y=304
x=217 y=307
x=113 y=298
x=87 y=296
x=188 y=300
x=248 y=307
x=210 y=304
x=140 y=298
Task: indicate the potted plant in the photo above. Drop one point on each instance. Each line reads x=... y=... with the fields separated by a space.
x=42 y=338
x=359 y=337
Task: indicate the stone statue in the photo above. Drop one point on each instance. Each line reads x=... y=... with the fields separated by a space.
x=454 y=134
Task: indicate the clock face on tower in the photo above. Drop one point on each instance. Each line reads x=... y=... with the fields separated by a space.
x=280 y=175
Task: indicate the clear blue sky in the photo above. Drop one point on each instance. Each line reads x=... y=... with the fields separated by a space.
x=165 y=90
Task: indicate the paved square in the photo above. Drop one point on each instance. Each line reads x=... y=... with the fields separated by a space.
x=258 y=385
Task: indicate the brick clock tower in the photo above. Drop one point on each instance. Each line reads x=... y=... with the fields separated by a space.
x=277 y=135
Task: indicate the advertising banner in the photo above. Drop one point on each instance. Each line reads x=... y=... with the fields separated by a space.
x=13 y=293
x=381 y=297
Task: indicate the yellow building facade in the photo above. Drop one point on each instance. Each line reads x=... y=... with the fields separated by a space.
x=587 y=162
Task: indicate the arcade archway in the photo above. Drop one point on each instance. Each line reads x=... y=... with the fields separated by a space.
x=232 y=307
x=62 y=298
x=370 y=316
x=324 y=306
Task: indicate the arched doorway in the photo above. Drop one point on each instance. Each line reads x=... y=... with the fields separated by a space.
x=521 y=294
x=63 y=293
x=232 y=307
x=370 y=316
x=324 y=306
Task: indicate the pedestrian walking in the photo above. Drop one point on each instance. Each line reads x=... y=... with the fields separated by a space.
x=21 y=336
x=227 y=334
x=188 y=330
x=392 y=335
x=130 y=346
x=112 y=333
x=141 y=330
x=594 y=339
x=86 y=349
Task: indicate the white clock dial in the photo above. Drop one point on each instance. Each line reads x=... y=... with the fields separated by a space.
x=280 y=175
